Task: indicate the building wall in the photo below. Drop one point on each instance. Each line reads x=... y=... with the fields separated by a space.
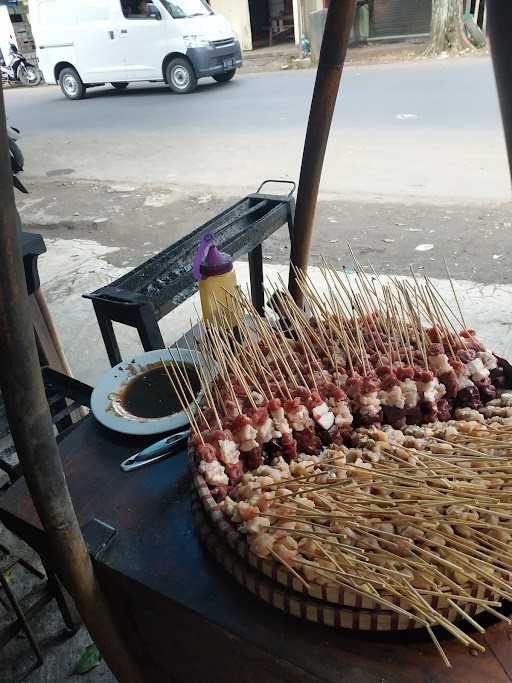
x=310 y=6
x=237 y=13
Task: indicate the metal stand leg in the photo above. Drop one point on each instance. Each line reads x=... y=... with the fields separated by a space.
x=148 y=330
x=256 y=273
x=21 y=617
x=109 y=337
x=291 y=219
x=71 y=622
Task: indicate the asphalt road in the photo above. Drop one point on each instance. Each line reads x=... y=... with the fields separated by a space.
x=427 y=130
x=416 y=157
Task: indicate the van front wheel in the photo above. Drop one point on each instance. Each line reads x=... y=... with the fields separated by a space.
x=71 y=84
x=181 y=77
x=225 y=77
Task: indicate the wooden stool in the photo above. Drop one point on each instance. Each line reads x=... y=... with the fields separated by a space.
x=39 y=598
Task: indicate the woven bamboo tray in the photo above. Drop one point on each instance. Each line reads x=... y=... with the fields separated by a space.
x=316 y=611
x=226 y=532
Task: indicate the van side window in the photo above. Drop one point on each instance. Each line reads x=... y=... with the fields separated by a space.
x=135 y=9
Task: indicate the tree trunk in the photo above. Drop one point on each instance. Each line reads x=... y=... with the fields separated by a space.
x=447 y=31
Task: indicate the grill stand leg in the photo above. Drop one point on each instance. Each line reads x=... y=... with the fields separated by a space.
x=72 y=622
x=256 y=274
x=109 y=336
x=148 y=330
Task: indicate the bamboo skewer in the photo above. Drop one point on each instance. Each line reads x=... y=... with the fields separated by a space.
x=355 y=322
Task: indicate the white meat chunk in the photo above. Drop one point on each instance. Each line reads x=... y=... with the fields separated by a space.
x=229 y=453
x=393 y=397
x=280 y=423
x=410 y=393
x=439 y=363
x=299 y=419
x=320 y=410
x=369 y=404
x=214 y=473
x=326 y=420
x=257 y=525
x=476 y=370
x=488 y=359
x=265 y=431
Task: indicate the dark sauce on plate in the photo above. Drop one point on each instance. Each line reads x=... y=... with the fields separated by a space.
x=151 y=395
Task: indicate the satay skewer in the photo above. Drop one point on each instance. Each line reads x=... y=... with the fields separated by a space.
x=185 y=406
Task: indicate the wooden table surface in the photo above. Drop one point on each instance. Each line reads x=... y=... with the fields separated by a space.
x=188 y=619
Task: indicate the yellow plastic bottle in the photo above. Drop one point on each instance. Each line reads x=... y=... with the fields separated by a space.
x=217 y=280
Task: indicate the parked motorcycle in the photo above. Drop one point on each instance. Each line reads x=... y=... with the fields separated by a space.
x=17 y=160
x=19 y=69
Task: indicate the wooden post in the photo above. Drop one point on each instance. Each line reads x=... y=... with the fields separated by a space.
x=499 y=25
x=340 y=17
x=32 y=431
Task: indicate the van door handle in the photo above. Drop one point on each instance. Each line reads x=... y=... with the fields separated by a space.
x=123 y=30
x=111 y=35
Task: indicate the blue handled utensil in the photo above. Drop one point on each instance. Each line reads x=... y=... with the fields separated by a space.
x=158 y=451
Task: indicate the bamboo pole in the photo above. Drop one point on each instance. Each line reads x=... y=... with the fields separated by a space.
x=32 y=431
x=340 y=17
x=499 y=24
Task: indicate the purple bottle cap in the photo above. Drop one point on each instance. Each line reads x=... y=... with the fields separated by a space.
x=215 y=263
x=209 y=260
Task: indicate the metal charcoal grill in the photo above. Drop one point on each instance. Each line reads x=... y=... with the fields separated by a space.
x=149 y=292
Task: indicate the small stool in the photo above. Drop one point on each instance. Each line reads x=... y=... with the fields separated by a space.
x=42 y=595
x=7 y=562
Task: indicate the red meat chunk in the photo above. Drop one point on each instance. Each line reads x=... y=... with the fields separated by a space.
x=219 y=493
x=443 y=410
x=424 y=376
x=449 y=379
x=434 y=335
x=456 y=363
x=207 y=452
x=404 y=373
x=314 y=400
x=339 y=395
x=486 y=390
x=254 y=458
x=389 y=381
x=301 y=392
x=217 y=435
x=466 y=355
x=274 y=404
x=289 y=447
x=235 y=472
x=435 y=349
x=241 y=421
x=469 y=397
x=291 y=406
x=308 y=442
x=259 y=416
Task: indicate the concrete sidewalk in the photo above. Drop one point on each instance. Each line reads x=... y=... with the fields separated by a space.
x=288 y=55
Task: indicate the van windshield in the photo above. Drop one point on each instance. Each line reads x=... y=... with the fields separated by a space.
x=182 y=9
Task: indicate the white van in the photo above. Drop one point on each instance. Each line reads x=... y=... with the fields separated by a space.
x=83 y=43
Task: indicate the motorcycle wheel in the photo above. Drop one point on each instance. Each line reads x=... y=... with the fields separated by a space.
x=17 y=160
x=29 y=75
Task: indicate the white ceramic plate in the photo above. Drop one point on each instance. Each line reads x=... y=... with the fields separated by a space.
x=105 y=400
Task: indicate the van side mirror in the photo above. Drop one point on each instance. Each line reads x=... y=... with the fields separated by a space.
x=153 y=11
